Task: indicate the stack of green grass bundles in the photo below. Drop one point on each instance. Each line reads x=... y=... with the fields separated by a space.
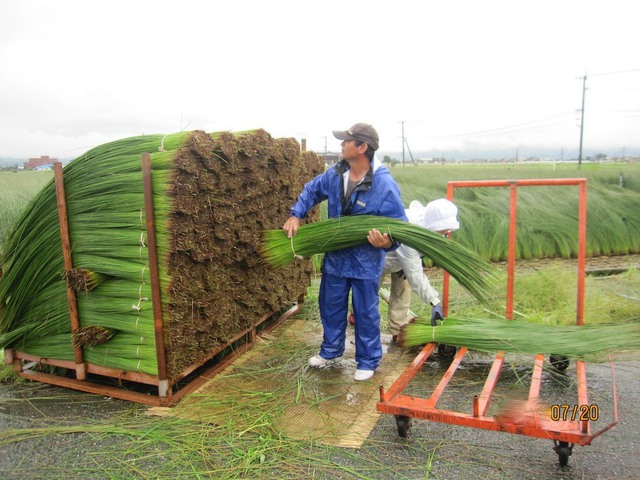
x=214 y=194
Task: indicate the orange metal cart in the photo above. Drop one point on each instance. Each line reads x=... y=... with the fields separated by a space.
x=565 y=428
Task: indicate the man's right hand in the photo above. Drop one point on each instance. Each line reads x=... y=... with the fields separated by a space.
x=291 y=226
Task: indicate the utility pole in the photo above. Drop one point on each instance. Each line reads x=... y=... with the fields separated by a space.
x=402 y=143
x=325 y=148
x=584 y=88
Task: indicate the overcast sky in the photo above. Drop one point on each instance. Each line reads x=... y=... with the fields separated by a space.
x=462 y=75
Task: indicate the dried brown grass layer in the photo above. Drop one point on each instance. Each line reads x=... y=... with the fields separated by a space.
x=227 y=189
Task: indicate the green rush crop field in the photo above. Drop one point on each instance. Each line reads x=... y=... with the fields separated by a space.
x=547 y=216
x=16 y=190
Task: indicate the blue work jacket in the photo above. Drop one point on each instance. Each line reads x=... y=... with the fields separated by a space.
x=377 y=194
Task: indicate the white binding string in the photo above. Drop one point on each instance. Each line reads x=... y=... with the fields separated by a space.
x=294 y=252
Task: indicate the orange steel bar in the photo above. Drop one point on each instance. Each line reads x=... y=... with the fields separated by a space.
x=68 y=265
x=583 y=397
x=490 y=384
x=511 y=265
x=582 y=248
x=541 y=428
x=581 y=371
x=90 y=387
x=616 y=414
x=527 y=182
x=154 y=273
x=69 y=364
x=403 y=380
x=536 y=378
x=435 y=396
x=90 y=368
x=582 y=231
x=446 y=280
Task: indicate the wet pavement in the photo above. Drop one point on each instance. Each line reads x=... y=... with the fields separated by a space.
x=430 y=450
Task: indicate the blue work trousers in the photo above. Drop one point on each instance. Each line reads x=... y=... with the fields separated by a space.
x=334 y=306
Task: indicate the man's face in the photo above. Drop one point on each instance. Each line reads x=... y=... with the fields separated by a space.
x=350 y=151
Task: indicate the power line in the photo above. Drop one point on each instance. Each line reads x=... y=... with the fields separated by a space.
x=614 y=73
x=505 y=129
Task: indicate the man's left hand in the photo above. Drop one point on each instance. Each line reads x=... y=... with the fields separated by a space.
x=379 y=240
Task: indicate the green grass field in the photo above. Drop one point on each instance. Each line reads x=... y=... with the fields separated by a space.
x=16 y=190
x=547 y=216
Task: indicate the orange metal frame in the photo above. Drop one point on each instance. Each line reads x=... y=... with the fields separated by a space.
x=576 y=431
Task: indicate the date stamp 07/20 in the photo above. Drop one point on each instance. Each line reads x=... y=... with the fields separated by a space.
x=565 y=412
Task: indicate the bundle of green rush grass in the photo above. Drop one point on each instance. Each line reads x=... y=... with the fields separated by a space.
x=213 y=195
x=474 y=274
x=519 y=336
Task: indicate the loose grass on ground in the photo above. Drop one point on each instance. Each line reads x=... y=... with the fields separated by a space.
x=244 y=440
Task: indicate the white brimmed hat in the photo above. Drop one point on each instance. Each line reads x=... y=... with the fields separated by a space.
x=440 y=215
x=415 y=212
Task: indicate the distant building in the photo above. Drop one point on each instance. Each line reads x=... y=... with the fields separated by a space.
x=46 y=166
x=32 y=163
x=329 y=158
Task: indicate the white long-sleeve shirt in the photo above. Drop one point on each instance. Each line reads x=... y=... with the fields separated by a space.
x=408 y=260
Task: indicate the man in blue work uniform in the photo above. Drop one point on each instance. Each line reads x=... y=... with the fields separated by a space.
x=358 y=185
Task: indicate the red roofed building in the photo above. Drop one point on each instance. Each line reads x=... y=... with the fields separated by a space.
x=36 y=162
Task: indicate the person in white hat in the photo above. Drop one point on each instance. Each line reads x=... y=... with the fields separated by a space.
x=405 y=264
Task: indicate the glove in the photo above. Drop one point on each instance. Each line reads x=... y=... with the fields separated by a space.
x=436 y=314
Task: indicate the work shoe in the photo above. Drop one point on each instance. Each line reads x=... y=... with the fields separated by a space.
x=363 y=375
x=318 y=361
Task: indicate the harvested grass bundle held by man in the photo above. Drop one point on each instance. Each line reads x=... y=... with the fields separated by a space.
x=472 y=272
x=519 y=336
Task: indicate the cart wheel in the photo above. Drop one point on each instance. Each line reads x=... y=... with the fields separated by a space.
x=446 y=351
x=563 y=449
x=404 y=424
x=559 y=362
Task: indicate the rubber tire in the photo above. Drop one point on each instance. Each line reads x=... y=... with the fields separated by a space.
x=446 y=351
x=564 y=452
x=559 y=362
x=404 y=424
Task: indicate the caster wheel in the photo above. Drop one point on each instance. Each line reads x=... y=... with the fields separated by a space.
x=559 y=362
x=446 y=351
x=404 y=424
x=563 y=449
